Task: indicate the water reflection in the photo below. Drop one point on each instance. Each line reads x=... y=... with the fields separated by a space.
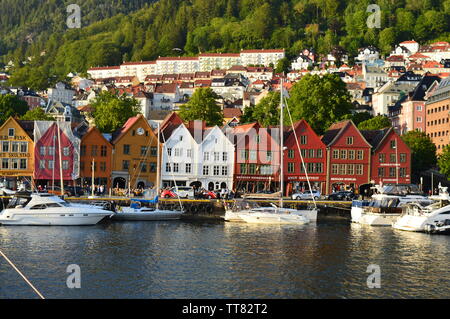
x=224 y=260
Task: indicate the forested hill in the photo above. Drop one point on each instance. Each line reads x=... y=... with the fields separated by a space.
x=195 y=26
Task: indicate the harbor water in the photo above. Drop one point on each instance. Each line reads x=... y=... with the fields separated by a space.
x=183 y=259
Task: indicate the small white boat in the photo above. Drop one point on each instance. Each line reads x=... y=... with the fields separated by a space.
x=138 y=212
x=272 y=215
x=48 y=209
x=434 y=218
x=357 y=209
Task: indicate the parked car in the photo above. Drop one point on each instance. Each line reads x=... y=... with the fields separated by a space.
x=306 y=195
x=183 y=192
x=341 y=195
x=68 y=191
x=207 y=194
x=168 y=193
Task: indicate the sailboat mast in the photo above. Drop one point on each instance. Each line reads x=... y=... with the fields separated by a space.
x=281 y=145
x=158 y=161
x=93 y=177
x=60 y=160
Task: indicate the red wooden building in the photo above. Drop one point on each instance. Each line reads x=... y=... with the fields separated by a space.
x=257 y=157
x=391 y=157
x=313 y=151
x=348 y=157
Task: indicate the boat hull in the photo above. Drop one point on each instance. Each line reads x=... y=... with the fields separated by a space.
x=356 y=214
x=257 y=218
x=411 y=223
x=51 y=219
x=373 y=219
x=232 y=217
x=142 y=215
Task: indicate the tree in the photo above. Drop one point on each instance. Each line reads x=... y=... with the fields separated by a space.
x=423 y=150
x=11 y=105
x=283 y=66
x=358 y=117
x=37 y=114
x=321 y=101
x=202 y=106
x=266 y=112
x=377 y=123
x=444 y=161
x=112 y=111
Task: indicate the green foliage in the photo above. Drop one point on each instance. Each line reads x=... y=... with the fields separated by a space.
x=112 y=111
x=444 y=161
x=283 y=66
x=358 y=117
x=423 y=150
x=37 y=114
x=321 y=101
x=202 y=106
x=113 y=31
x=266 y=112
x=11 y=105
x=377 y=123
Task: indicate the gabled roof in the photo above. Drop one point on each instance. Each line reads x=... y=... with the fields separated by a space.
x=376 y=137
x=336 y=130
x=117 y=135
x=92 y=130
x=27 y=126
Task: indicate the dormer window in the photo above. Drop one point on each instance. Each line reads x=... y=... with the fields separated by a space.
x=350 y=140
x=11 y=132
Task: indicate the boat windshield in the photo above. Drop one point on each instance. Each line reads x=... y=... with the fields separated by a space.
x=244 y=205
x=386 y=202
x=16 y=201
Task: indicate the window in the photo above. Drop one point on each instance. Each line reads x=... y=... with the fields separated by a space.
x=319 y=168
x=103 y=150
x=206 y=170
x=310 y=167
x=402 y=158
x=14 y=147
x=266 y=170
x=360 y=155
x=252 y=169
x=382 y=158
x=189 y=153
x=176 y=167
x=359 y=169
x=392 y=158
x=23 y=147
x=319 y=153
x=225 y=156
x=351 y=154
x=419 y=119
x=152 y=167
x=291 y=153
x=5 y=146
x=311 y=153
x=51 y=150
x=350 y=140
x=350 y=169
x=93 y=150
x=5 y=163
x=291 y=167
x=126 y=149
x=402 y=171
x=224 y=170
x=188 y=167
x=168 y=167
x=83 y=150
x=42 y=150
x=335 y=154
x=51 y=164
x=243 y=169
x=381 y=171
x=269 y=155
x=169 y=152
x=144 y=150
x=244 y=155
x=177 y=152
x=393 y=144
x=253 y=155
x=334 y=169
x=42 y=164
x=343 y=154
x=153 y=151
x=125 y=165
x=391 y=171
x=103 y=166
x=342 y=169
x=11 y=132
x=304 y=139
x=65 y=165
x=216 y=170
x=216 y=156
x=205 y=156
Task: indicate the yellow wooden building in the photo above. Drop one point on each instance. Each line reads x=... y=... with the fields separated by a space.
x=135 y=155
x=16 y=152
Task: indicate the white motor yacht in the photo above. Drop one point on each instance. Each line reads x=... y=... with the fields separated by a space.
x=48 y=209
x=386 y=206
x=273 y=215
x=434 y=218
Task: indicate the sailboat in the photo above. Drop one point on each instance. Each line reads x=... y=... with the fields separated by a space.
x=137 y=211
x=275 y=214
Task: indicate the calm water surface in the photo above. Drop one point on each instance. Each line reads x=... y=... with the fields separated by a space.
x=224 y=260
